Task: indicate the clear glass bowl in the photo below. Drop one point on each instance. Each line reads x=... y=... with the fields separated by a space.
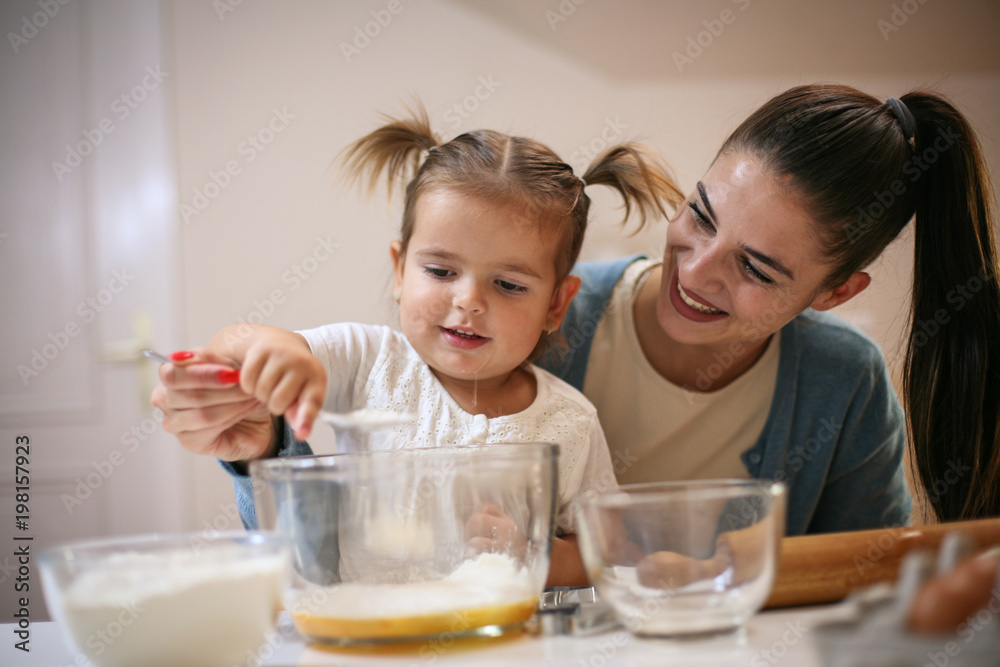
x=412 y=544
x=187 y=599
x=683 y=558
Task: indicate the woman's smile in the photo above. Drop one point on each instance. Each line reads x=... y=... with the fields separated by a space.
x=688 y=307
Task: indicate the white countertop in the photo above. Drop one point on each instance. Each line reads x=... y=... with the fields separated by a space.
x=779 y=637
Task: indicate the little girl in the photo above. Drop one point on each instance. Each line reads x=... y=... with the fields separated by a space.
x=492 y=225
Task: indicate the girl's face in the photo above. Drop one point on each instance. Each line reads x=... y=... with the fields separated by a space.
x=477 y=286
x=743 y=258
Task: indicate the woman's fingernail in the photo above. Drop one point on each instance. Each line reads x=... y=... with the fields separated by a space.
x=181 y=356
x=229 y=376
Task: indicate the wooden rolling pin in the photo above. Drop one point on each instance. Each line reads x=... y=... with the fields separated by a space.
x=816 y=569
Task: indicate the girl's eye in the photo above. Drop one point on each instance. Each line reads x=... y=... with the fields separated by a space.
x=755 y=273
x=510 y=287
x=701 y=218
x=438 y=273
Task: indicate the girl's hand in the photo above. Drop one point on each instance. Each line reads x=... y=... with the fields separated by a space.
x=280 y=371
x=208 y=412
x=489 y=530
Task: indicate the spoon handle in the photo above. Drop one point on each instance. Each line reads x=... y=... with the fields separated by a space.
x=156 y=356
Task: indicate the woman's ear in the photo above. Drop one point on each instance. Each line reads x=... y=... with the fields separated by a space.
x=561 y=299
x=853 y=286
x=395 y=251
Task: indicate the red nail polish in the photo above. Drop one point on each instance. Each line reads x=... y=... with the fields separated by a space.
x=181 y=356
x=229 y=376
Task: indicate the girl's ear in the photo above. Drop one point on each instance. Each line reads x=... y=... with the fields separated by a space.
x=561 y=299
x=856 y=284
x=395 y=251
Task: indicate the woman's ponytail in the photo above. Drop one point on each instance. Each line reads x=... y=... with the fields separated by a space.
x=952 y=374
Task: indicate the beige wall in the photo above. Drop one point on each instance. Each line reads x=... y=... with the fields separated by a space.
x=278 y=70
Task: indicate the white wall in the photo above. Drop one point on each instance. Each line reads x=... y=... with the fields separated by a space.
x=233 y=69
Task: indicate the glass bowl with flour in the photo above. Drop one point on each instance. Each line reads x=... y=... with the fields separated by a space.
x=189 y=599
x=410 y=545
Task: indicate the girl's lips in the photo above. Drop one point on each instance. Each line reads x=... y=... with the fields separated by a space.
x=687 y=311
x=462 y=339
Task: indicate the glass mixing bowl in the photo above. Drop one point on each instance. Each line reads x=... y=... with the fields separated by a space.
x=166 y=600
x=412 y=544
x=683 y=558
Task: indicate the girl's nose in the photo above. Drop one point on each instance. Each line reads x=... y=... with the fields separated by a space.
x=469 y=296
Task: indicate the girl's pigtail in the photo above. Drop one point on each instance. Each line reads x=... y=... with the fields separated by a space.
x=392 y=151
x=641 y=177
x=952 y=376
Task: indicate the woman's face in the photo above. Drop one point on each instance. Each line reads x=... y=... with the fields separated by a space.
x=742 y=258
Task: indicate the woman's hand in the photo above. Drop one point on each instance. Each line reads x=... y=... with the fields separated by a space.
x=218 y=408
x=208 y=412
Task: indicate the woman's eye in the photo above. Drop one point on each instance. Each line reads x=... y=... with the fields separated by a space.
x=755 y=273
x=510 y=287
x=701 y=218
x=438 y=273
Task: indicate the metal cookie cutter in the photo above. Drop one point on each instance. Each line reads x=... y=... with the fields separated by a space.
x=574 y=611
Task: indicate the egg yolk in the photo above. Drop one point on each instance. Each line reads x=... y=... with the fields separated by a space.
x=455 y=621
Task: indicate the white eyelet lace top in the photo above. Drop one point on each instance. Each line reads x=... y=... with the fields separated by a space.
x=375 y=367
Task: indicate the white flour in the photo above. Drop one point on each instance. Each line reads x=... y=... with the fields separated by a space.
x=178 y=608
x=486 y=581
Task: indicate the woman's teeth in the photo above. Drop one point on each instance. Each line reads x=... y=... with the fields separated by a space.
x=694 y=304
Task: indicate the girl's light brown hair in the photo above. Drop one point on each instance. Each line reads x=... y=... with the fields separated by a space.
x=510 y=170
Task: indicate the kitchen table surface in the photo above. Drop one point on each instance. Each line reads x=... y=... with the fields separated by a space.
x=774 y=637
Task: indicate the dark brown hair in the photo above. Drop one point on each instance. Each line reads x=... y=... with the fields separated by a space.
x=511 y=170
x=863 y=180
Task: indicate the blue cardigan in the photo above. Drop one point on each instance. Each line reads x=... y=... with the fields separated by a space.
x=835 y=433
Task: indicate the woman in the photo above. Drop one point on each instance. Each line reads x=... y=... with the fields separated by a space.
x=720 y=361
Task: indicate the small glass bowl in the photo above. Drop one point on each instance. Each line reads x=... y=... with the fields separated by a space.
x=677 y=559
